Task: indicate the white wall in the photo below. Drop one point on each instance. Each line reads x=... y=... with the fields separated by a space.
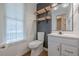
x=21 y=47
x=75 y=18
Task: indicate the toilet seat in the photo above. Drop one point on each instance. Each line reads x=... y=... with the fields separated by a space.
x=35 y=44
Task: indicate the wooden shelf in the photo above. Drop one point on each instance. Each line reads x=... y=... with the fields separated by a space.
x=43 y=14
x=41 y=11
x=48 y=8
x=44 y=18
x=44 y=10
x=48 y=17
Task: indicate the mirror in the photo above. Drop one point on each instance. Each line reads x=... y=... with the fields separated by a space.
x=62 y=17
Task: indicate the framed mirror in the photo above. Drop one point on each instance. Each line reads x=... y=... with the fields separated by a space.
x=62 y=18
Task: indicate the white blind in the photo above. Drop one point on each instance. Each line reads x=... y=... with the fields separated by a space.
x=14 y=21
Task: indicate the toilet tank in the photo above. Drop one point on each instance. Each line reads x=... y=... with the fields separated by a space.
x=41 y=36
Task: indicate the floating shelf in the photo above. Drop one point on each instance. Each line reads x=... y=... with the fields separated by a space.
x=41 y=11
x=44 y=10
x=48 y=17
x=43 y=14
x=44 y=18
x=48 y=8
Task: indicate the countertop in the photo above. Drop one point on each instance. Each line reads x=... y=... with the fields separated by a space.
x=65 y=35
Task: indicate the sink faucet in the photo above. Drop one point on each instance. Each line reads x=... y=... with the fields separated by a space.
x=60 y=32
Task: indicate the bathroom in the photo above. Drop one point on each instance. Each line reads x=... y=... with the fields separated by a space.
x=39 y=29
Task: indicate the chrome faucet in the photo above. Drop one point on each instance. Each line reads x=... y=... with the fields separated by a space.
x=60 y=32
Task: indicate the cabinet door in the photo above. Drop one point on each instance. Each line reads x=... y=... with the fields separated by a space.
x=69 y=50
x=53 y=49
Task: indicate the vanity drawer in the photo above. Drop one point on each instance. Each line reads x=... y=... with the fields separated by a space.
x=54 y=39
x=70 y=41
x=67 y=50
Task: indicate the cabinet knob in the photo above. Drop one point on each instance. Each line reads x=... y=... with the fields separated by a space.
x=58 y=49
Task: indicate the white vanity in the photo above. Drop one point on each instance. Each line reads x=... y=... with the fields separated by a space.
x=66 y=44
x=63 y=45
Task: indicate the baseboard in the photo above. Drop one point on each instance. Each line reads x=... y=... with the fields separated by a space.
x=46 y=49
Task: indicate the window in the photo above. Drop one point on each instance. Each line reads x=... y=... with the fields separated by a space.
x=14 y=22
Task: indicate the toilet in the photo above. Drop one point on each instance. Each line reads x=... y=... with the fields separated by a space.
x=36 y=46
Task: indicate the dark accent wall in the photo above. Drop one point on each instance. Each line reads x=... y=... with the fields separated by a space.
x=45 y=25
x=42 y=5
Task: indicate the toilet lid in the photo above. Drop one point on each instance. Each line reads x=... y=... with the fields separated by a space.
x=34 y=44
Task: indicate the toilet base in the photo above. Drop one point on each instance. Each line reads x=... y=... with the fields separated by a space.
x=37 y=51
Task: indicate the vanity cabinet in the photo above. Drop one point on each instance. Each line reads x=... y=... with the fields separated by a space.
x=63 y=46
x=53 y=47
